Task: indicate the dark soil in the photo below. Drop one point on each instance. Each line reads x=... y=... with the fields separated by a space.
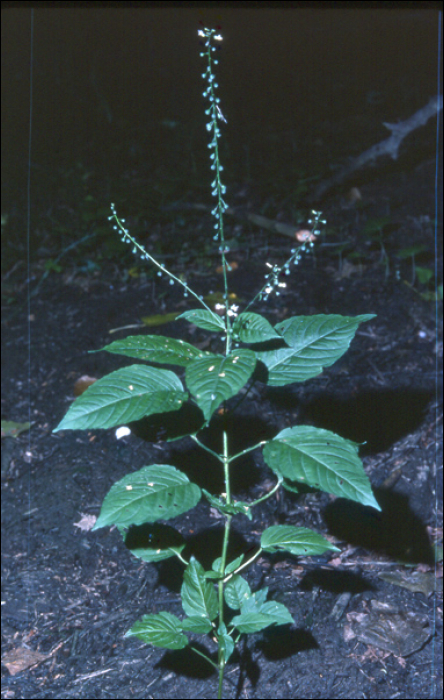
x=71 y=594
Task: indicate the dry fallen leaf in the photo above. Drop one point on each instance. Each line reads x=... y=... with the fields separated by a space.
x=21 y=658
x=86 y=522
x=398 y=632
x=416 y=581
x=82 y=384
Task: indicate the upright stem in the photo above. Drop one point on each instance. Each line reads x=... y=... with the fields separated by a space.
x=226 y=463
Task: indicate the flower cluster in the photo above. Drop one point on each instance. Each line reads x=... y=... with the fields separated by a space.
x=272 y=279
x=215 y=113
x=137 y=248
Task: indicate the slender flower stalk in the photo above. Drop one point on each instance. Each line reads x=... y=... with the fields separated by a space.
x=138 y=248
x=218 y=189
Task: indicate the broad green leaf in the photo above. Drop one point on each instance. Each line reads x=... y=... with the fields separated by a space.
x=216 y=379
x=199 y=598
x=255 y=601
x=161 y=630
x=156 y=348
x=204 y=319
x=198 y=625
x=249 y=622
x=315 y=342
x=123 y=396
x=296 y=540
x=257 y=613
x=322 y=459
x=232 y=566
x=236 y=592
x=253 y=328
x=226 y=642
x=157 y=492
x=154 y=542
x=278 y=611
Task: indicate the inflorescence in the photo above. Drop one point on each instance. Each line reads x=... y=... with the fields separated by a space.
x=272 y=279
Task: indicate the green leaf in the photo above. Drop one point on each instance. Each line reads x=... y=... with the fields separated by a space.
x=204 y=319
x=235 y=508
x=198 y=595
x=315 y=342
x=123 y=396
x=216 y=379
x=156 y=348
x=198 y=625
x=232 y=566
x=423 y=274
x=226 y=642
x=162 y=630
x=157 y=492
x=290 y=487
x=375 y=225
x=255 y=602
x=257 y=613
x=253 y=328
x=154 y=542
x=236 y=592
x=278 y=611
x=216 y=572
x=249 y=622
x=411 y=250
x=296 y=540
x=322 y=459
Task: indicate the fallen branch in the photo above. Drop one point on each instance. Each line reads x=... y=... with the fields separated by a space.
x=387 y=147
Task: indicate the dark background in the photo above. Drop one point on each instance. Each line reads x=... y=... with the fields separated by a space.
x=101 y=74
x=118 y=116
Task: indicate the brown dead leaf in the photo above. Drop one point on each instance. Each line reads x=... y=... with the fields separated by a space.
x=415 y=581
x=21 y=658
x=82 y=384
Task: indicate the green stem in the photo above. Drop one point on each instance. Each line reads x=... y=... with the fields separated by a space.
x=244 y=565
x=267 y=495
x=248 y=449
x=226 y=462
x=204 y=447
x=205 y=657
